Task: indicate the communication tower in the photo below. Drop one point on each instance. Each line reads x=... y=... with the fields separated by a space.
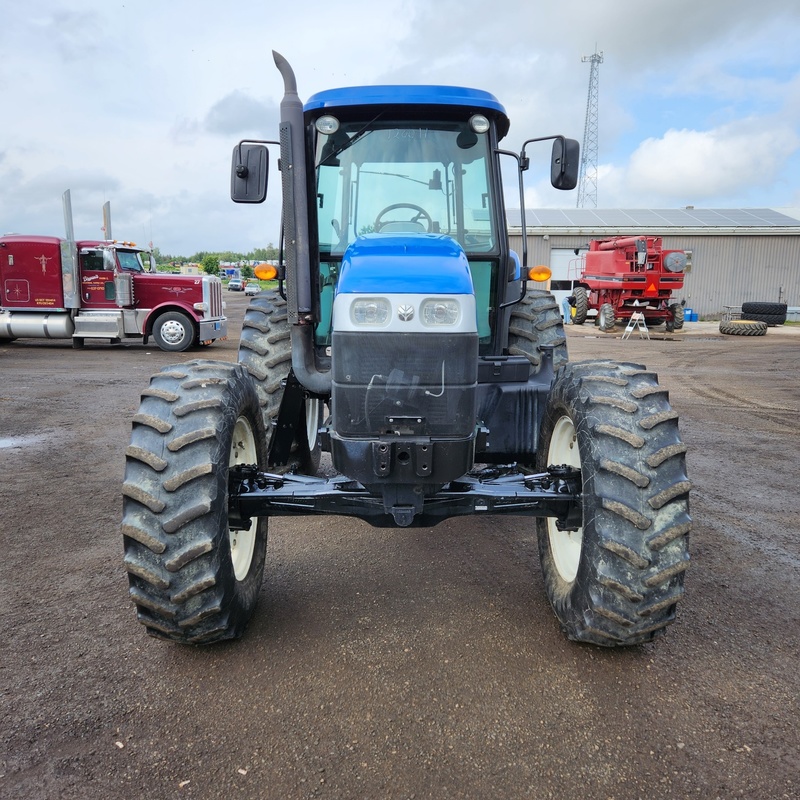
x=587 y=181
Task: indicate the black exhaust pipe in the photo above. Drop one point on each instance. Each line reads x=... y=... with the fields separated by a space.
x=296 y=234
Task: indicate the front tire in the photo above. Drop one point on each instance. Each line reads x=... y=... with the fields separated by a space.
x=174 y=332
x=265 y=350
x=581 y=305
x=618 y=579
x=193 y=580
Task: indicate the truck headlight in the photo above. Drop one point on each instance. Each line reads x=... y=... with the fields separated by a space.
x=370 y=311
x=436 y=312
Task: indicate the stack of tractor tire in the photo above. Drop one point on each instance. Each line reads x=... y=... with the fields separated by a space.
x=756 y=318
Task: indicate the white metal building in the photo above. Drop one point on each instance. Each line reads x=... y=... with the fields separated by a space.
x=735 y=255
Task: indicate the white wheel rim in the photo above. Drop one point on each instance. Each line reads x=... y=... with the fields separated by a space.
x=312 y=421
x=243 y=542
x=173 y=332
x=565 y=546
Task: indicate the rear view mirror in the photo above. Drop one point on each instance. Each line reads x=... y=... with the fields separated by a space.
x=249 y=173
x=565 y=163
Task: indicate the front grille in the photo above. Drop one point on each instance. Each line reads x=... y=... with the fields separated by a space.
x=212 y=294
x=412 y=384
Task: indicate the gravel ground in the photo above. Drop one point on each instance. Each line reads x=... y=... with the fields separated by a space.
x=415 y=663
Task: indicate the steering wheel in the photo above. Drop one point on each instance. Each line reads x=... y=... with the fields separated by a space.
x=421 y=214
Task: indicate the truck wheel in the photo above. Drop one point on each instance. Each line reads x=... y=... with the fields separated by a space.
x=581 y=305
x=536 y=321
x=617 y=580
x=265 y=350
x=741 y=327
x=606 y=318
x=192 y=579
x=677 y=320
x=174 y=332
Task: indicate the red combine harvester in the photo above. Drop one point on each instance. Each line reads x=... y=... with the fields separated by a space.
x=623 y=275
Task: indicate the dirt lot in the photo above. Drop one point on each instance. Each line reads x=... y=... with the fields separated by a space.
x=417 y=663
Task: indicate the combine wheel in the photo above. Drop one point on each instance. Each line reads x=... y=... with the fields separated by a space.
x=265 y=350
x=741 y=327
x=192 y=579
x=536 y=321
x=581 y=305
x=606 y=318
x=617 y=580
x=677 y=320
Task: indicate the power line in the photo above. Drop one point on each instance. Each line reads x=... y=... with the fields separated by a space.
x=587 y=182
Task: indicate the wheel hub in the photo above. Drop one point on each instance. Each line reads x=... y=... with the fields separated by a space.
x=242 y=542
x=565 y=546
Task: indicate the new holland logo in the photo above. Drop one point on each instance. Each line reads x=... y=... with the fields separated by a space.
x=405 y=313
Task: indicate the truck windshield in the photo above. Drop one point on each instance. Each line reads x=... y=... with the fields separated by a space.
x=130 y=260
x=404 y=177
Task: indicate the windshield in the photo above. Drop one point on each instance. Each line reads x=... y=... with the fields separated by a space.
x=130 y=260
x=404 y=177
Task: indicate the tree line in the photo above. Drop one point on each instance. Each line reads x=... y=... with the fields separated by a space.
x=211 y=261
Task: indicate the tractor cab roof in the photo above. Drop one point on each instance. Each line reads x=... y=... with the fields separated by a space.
x=408 y=97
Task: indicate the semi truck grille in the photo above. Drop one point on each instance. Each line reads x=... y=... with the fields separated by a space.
x=411 y=384
x=214 y=299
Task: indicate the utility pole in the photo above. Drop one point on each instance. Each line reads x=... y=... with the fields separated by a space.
x=587 y=182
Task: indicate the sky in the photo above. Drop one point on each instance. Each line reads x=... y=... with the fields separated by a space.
x=140 y=102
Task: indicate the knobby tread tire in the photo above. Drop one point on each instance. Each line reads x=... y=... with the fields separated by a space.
x=606 y=318
x=635 y=505
x=740 y=327
x=175 y=503
x=265 y=350
x=770 y=319
x=771 y=309
x=536 y=321
x=678 y=317
x=581 y=305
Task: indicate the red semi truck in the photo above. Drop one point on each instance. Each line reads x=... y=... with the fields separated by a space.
x=65 y=289
x=623 y=275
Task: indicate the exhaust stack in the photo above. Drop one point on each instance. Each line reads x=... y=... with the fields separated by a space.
x=297 y=238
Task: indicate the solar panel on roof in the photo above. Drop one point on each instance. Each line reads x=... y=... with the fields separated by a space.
x=594 y=218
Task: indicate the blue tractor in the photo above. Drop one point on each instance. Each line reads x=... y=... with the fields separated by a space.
x=403 y=340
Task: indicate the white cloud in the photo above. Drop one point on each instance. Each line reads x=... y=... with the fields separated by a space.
x=142 y=103
x=701 y=166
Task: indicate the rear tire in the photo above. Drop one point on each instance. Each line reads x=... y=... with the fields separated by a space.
x=618 y=579
x=606 y=318
x=677 y=320
x=536 y=321
x=192 y=579
x=265 y=350
x=740 y=327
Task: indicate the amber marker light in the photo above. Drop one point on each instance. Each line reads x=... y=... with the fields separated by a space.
x=540 y=273
x=265 y=272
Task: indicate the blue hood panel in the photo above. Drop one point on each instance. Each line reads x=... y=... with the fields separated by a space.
x=408 y=263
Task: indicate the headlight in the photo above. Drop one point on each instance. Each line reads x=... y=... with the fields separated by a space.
x=440 y=311
x=372 y=311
